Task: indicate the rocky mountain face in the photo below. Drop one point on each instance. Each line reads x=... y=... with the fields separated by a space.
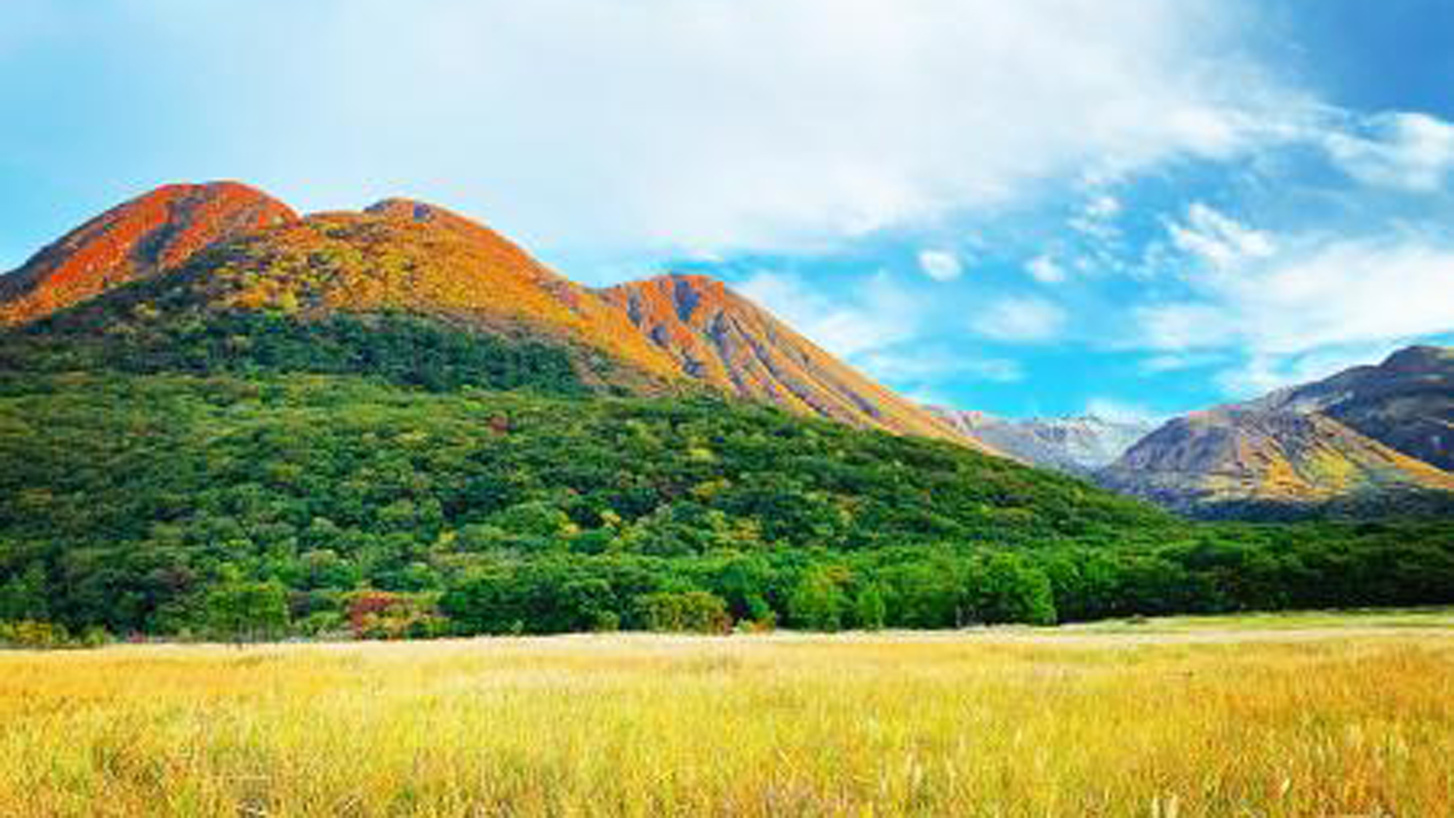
x=1368 y=437
x=152 y=233
x=1406 y=402
x=722 y=339
x=1075 y=445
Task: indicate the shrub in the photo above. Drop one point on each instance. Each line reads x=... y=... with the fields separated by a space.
x=689 y=612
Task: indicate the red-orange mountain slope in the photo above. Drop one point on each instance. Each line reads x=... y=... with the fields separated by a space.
x=154 y=232
x=721 y=338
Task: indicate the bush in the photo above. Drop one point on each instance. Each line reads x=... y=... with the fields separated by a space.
x=31 y=634
x=689 y=612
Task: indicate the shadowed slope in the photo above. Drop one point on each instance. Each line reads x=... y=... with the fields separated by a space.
x=1406 y=402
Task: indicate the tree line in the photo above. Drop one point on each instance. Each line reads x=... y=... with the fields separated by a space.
x=261 y=506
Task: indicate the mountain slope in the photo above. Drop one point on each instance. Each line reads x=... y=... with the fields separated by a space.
x=1342 y=442
x=133 y=490
x=1075 y=445
x=154 y=232
x=316 y=294
x=722 y=339
x=1406 y=402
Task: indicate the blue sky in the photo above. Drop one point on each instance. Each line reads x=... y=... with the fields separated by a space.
x=1031 y=207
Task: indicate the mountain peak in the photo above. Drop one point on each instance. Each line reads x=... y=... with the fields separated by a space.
x=1418 y=357
x=405 y=208
x=154 y=232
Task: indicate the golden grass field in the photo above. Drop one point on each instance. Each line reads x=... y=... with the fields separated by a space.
x=1173 y=719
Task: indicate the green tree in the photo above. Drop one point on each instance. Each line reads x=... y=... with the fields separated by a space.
x=24 y=597
x=1009 y=589
x=869 y=610
x=241 y=611
x=688 y=612
x=818 y=602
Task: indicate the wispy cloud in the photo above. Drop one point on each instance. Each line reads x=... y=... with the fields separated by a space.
x=1216 y=238
x=931 y=364
x=940 y=265
x=1045 y=270
x=872 y=314
x=659 y=125
x=1020 y=319
x=1412 y=151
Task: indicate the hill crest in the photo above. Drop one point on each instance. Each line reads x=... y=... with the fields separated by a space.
x=157 y=231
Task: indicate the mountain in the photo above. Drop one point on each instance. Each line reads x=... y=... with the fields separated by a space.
x=398 y=417
x=1406 y=402
x=252 y=286
x=1348 y=442
x=1075 y=445
x=152 y=233
x=404 y=289
x=722 y=339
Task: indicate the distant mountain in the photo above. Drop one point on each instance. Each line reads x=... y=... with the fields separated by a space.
x=1406 y=402
x=154 y=232
x=1349 y=442
x=1076 y=445
x=721 y=338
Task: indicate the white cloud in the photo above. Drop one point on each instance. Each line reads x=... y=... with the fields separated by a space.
x=1217 y=238
x=1102 y=206
x=1316 y=300
x=876 y=313
x=928 y=363
x=1337 y=292
x=1158 y=364
x=1045 y=270
x=940 y=265
x=1412 y=151
x=1097 y=216
x=648 y=126
x=1020 y=318
x=1183 y=325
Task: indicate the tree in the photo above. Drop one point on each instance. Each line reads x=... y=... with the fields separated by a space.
x=869 y=610
x=384 y=615
x=688 y=612
x=23 y=597
x=1011 y=590
x=818 y=602
x=241 y=611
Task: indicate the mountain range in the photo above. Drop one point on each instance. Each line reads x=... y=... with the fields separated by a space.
x=1371 y=438
x=223 y=250
x=221 y=277
x=1075 y=445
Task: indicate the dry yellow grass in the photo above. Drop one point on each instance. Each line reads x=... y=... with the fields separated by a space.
x=1337 y=723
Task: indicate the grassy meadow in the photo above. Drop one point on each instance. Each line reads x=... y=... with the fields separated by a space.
x=1328 y=717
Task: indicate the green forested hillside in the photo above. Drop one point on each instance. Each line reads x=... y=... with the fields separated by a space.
x=175 y=503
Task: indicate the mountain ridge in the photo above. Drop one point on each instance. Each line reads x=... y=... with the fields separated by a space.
x=725 y=340
x=404 y=256
x=1351 y=439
